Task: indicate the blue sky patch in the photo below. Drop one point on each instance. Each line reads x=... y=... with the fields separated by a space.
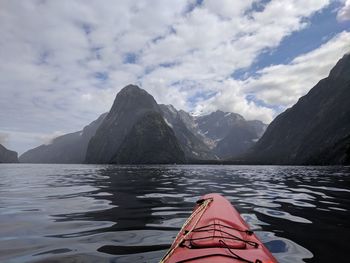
x=322 y=26
x=130 y=58
x=192 y=6
x=252 y=98
x=102 y=76
x=96 y=51
x=86 y=28
x=200 y=96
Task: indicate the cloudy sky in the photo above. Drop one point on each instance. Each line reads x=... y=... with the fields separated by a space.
x=62 y=62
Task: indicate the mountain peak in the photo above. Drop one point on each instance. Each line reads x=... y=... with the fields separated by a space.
x=219 y=112
x=132 y=97
x=224 y=115
x=130 y=104
x=132 y=89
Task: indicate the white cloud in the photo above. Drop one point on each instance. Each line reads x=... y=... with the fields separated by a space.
x=4 y=138
x=344 y=13
x=22 y=141
x=285 y=84
x=62 y=62
x=231 y=97
x=226 y=9
x=48 y=138
x=209 y=46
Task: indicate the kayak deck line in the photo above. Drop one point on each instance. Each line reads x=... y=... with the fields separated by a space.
x=215 y=232
x=202 y=205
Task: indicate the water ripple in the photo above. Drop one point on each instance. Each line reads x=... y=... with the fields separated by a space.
x=106 y=213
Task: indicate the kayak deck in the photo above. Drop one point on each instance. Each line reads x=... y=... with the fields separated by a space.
x=215 y=232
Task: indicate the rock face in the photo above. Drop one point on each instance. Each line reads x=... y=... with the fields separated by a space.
x=316 y=129
x=218 y=135
x=150 y=141
x=229 y=134
x=237 y=141
x=184 y=128
x=68 y=148
x=114 y=139
x=7 y=156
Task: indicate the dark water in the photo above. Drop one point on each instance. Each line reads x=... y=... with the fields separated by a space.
x=84 y=213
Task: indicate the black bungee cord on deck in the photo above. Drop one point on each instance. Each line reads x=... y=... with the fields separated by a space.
x=224 y=245
x=237 y=256
x=229 y=235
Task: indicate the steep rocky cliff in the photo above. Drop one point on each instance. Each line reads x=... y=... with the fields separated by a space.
x=129 y=124
x=150 y=141
x=7 y=156
x=316 y=129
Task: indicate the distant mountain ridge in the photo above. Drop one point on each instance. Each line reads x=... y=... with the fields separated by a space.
x=7 y=156
x=229 y=134
x=68 y=148
x=221 y=134
x=180 y=121
x=316 y=130
x=123 y=136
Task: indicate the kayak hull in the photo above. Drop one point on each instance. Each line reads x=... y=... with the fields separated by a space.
x=215 y=232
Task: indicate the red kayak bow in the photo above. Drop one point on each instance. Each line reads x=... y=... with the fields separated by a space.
x=215 y=232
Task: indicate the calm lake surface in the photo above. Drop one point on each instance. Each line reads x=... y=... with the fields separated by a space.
x=87 y=213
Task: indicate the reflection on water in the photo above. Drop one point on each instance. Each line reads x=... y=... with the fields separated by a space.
x=86 y=213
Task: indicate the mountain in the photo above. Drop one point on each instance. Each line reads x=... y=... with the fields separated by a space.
x=125 y=135
x=218 y=124
x=182 y=124
x=7 y=156
x=126 y=132
x=68 y=148
x=316 y=130
x=150 y=141
x=227 y=133
x=237 y=141
x=213 y=136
